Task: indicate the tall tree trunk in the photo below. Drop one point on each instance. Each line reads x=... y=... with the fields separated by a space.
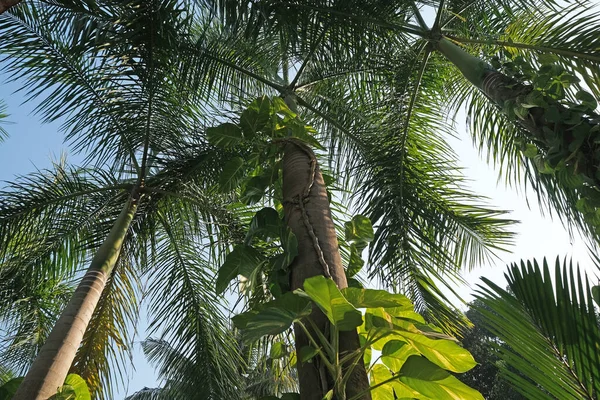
x=308 y=215
x=500 y=89
x=6 y=4
x=52 y=364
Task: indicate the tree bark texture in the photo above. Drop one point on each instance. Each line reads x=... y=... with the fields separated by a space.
x=6 y=4
x=52 y=364
x=308 y=215
x=500 y=88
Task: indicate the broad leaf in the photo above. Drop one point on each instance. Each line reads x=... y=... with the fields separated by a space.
x=254 y=189
x=232 y=174
x=273 y=317
x=359 y=230
x=395 y=353
x=265 y=224
x=334 y=305
x=385 y=391
x=278 y=350
x=443 y=352
x=432 y=382
x=356 y=262
x=225 y=135
x=306 y=353
x=243 y=260
x=256 y=116
x=371 y=298
x=74 y=388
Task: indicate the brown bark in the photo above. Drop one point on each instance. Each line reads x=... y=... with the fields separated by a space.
x=6 y=4
x=52 y=364
x=308 y=215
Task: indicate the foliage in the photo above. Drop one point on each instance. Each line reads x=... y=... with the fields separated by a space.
x=126 y=97
x=550 y=328
x=75 y=388
x=3 y=115
x=482 y=344
x=414 y=355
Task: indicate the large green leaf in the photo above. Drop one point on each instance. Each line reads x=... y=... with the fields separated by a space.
x=225 y=135
x=371 y=298
x=395 y=353
x=256 y=116
x=243 y=260
x=391 y=389
x=443 y=352
x=8 y=390
x=330 y=300
x=356 y=262
x=74 y=388
x=433 y=382
x=273 y=317
x=359 y=230
x=265 y=224
x=232 y=174
x=289 y=242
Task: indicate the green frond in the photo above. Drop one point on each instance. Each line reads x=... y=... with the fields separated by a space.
x=183 y=304
x=105 y=351
x=50 y=219
x=550 y=329
x=3 y=116
x=27 y=314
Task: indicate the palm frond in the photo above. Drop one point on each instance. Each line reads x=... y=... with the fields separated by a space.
x=550 y=328
x=27 y=314
x=3 y=115
x=106 y=344
x=183 y=301
x=49 y=219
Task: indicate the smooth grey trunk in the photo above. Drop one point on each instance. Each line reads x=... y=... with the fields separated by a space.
x=308 y=215
x=52 y=364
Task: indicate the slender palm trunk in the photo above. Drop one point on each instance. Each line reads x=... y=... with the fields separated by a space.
x=308 y=215
x=6 y=4
x=52 y=364
x=500 y=89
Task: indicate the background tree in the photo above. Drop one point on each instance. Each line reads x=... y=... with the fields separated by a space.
x=478 y=228
x=483 y=344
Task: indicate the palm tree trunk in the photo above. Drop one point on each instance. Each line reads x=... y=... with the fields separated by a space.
x=500 y=89
x=6 y=4
x=52 y=364
x=308 y=215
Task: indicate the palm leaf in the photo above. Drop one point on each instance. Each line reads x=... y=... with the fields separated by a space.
x=550 y=329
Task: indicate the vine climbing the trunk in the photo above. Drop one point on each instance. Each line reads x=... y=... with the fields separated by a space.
x=302 y=283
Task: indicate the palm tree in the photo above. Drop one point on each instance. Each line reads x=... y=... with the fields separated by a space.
x=147 y=196
x=534 y=124
x=551 y=330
